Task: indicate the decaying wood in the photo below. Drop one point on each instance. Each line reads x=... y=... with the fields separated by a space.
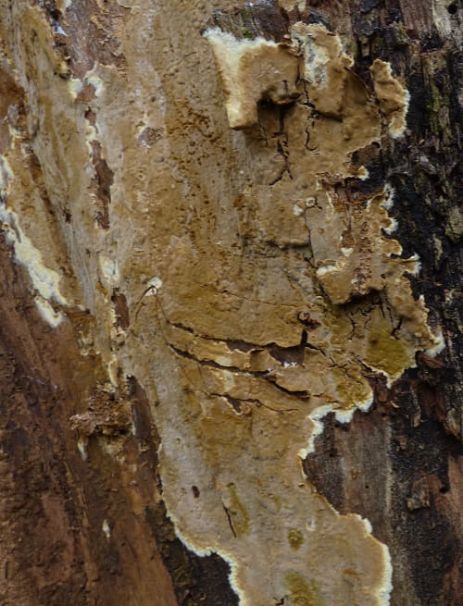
x=230 y=348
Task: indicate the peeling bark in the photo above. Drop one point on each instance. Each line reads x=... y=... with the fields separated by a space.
x=230 y=354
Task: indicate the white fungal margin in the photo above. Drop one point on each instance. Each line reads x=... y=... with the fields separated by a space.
x=45 y=281
x=82 y=448
x=106 y=529
x=342 y=416
x=48 y=313
x=206 y=551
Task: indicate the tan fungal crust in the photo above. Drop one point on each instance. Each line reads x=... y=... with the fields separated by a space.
x=393 y=98
x=292 y=4
x=233 y=275
x=252 y=70
x=269 y=394
x=325 y=67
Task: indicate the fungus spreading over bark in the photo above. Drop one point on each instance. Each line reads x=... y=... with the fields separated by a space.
x=257 y=407
x=276 y=291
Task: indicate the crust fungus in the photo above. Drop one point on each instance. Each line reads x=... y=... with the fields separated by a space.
x=255 y=409
x=251 y=71
x=274 y=287
x=392 y=97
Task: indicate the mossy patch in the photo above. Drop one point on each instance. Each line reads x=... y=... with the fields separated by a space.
x=302 y=592
x=295 y=538
x=386 y=352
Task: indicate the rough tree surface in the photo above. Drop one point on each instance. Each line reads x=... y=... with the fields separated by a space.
x=230 y=346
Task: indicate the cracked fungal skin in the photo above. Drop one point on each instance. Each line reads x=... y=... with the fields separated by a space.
x=229 y=271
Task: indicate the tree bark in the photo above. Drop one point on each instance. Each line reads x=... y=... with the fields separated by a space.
x=230 y=347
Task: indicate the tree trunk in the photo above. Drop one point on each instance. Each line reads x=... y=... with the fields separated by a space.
x=230 y=348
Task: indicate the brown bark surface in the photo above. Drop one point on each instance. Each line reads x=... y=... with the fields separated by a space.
x=169 y=312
